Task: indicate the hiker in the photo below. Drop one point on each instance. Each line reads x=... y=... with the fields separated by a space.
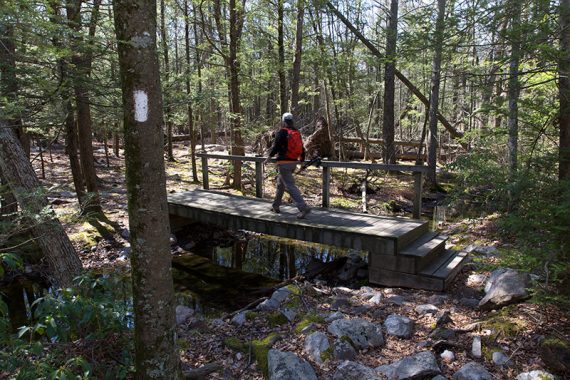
x=288 y=147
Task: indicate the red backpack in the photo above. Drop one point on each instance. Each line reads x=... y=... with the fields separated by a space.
x=294 y=144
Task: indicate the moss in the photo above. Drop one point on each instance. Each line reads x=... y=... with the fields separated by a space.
x=260 y=349
x=345 y=338
x=86 y=237
x=502 y=323
x=250 y=315
x=307 y=320
x=344 y=203
x=327 y=354
x=235 y=344
x=294 y=289
x=556 y=342
x=276 y=319
x=293 y=303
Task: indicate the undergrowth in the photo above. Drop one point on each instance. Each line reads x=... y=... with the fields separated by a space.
x=82 y=332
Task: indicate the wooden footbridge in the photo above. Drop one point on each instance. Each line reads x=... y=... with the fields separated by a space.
x=401 y=251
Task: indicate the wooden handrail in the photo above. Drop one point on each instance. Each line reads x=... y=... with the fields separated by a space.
x=417 y=170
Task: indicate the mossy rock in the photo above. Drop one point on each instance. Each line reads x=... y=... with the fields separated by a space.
x=555 y=353
x=276 y=319
x=236 y=344
x=250 y=315
x=307 y=320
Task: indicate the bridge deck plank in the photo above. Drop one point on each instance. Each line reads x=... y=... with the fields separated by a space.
x=330 y=220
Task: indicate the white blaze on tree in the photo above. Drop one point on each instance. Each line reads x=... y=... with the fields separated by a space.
x=141 y=106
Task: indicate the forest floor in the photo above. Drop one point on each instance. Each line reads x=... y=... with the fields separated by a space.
x=517 y=330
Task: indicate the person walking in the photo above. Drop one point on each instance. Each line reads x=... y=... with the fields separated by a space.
x=288 y=147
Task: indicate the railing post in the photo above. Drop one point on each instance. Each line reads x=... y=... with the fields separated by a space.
x=259 y=179
x=205 y=180
x=418 y=179
x=326 y=186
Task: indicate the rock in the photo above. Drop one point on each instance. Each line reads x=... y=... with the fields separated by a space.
x=281 y=294
x=183 y=313
x=126 y=252
x=476 y=280
x=218 y=322
x=315 y=345
x=338 y=302
x=536 y=375
x=354 y=371
x=438 y=377
x=239 y=319
x=476 y=347
x=343 y=289
x=173 y=239
x=376 y=299
x=506 y=287
x=441 y=333
x=125 y=234
x=447 y=356
x=417 y=366
x=437 y=299
x=396 y=300
x=366 y=290
x=555 y=353
x=399 y=326
x=388 y=370
x=334 y=316
x=289 y=314
x=361 y=309
x=268 y=305
x=472 y=371
x=343 y=350
x=353 y=263
x=361 y=333
x=480 y=249
x=469 y=302
x=426 y=309
x=500 y=359
x=288 y=366
x=443 y=319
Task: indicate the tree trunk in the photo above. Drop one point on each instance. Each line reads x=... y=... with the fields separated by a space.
x=24 y=184
x=296 y=77
x=167 y=111
x=389 y=87
x=281 y=64
x=434 y=98
x=82 y=70
x=156 y=355
x=513 y=86
x=190 y=112
x=564 y=121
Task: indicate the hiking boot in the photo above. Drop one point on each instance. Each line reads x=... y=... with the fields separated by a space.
x=275 y=209
x=303 y=213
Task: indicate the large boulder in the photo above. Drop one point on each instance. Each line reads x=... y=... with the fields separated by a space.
x=505 y=286
x=354 y=371
x=362 y=334
x=288 y=366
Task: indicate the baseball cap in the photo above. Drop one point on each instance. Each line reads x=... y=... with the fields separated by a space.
x=287 y=116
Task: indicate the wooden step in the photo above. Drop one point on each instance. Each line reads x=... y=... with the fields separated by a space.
x=412 y=235
x=437 y=276
x=446 y=266
x=425 y=249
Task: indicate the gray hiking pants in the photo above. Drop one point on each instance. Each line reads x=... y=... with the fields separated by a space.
x=286 y=181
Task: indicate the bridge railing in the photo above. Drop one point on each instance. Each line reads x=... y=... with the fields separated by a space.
x=417 y=171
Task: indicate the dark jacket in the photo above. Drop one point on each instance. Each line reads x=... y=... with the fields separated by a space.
x=280 y=146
